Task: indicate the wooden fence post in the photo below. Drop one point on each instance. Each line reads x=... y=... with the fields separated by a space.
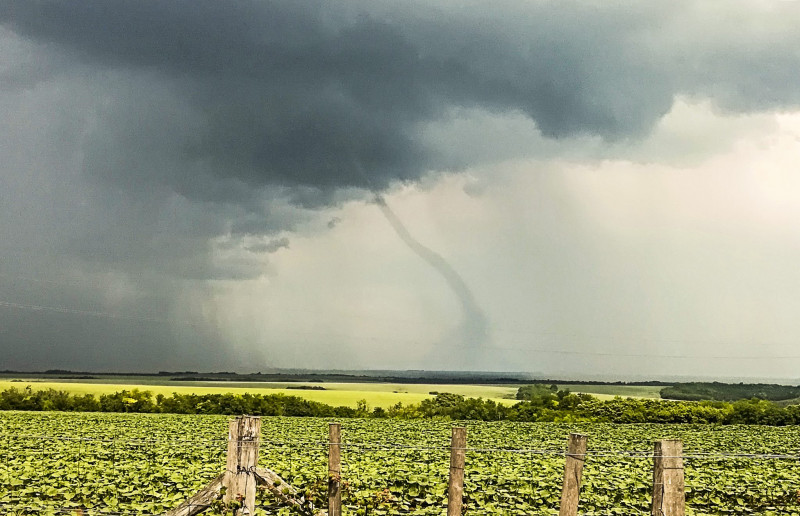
x=669 y=498
x=244 y=434
x=455 y=488
x=573 y=469
x=334 y=470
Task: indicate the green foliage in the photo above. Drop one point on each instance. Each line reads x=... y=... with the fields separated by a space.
x=549 y=406
x=529 y=392
x=148 y=463
x=696 y=391
x=144 y=402
x=127 y=401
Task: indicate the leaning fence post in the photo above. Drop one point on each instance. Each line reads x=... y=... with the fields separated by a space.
x=455 y=487
x=334 y=470
x=240 y=483
x=573 y=469
x=669 y=498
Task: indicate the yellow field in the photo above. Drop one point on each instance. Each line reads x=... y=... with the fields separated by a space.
x=348 y=394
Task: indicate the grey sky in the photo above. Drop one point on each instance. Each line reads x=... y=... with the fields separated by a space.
x=183 y=178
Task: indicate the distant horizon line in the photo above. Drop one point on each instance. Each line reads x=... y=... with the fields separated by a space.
x=423 y=374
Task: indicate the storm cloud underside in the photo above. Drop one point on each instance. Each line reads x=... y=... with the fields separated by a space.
x=158 y=147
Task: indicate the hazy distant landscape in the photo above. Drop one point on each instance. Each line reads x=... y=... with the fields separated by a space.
x=383 y=388
x=339 y=389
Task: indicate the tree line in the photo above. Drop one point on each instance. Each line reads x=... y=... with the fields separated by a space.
x=696 y=391
x=541 y=405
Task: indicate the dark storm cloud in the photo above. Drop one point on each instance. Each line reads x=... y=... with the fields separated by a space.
x=293 y=93
x=169 y=143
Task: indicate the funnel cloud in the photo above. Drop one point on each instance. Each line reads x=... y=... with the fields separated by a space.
x=474 y=327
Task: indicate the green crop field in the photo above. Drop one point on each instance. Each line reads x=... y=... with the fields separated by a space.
x=141 y=464
x=347 y=394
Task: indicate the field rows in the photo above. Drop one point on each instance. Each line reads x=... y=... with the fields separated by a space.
x=137 y=464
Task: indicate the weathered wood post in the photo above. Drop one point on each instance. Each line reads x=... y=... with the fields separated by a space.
x=334 y=470
x=455 y=488
x=573 y=469
x=201 y=500
x=244 y=434
x=669 y=498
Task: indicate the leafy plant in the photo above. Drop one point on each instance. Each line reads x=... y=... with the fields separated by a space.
x=95 y=463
